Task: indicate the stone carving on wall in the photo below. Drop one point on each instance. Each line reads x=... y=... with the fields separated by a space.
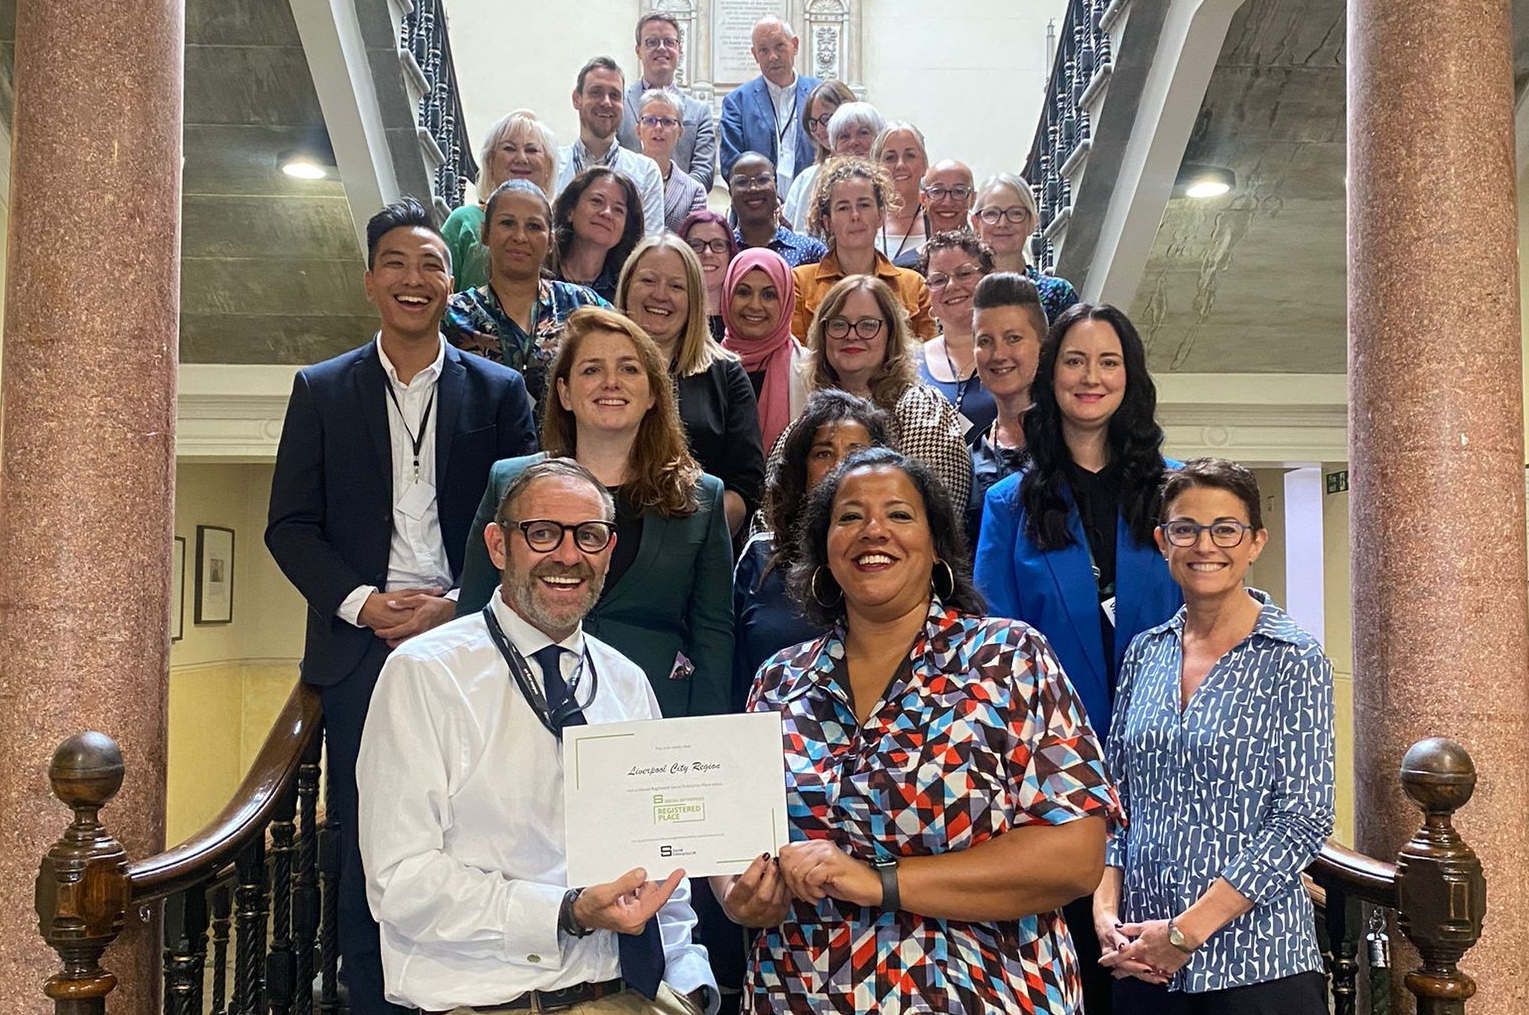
x=824 y=31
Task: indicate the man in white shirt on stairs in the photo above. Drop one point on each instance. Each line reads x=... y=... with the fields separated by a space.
x=599 y=96
x=461 y=783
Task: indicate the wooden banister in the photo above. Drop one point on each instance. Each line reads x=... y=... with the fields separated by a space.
x=1361 y=876
x=271 y=776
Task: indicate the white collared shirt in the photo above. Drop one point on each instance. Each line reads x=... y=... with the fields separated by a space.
x=416 y=553
x=461 y=821
x=784 y=101
x=636 y=166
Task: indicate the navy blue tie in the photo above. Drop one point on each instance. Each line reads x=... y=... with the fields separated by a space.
x=642 y=955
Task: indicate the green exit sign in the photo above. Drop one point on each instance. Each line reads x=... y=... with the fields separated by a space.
x=1337 y=482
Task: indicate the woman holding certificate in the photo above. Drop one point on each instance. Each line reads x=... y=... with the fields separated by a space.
x=946 y=796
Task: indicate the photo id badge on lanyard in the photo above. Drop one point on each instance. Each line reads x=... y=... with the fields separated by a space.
x=418 y=495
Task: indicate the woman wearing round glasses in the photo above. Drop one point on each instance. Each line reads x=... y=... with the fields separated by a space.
x=822 y=102
x=1222 y=750
x=953 y=264
x=710 y=236
x=1067 y=545
x=659 y=128
x=1005 y=217
x=610 y=406
x=859 y=342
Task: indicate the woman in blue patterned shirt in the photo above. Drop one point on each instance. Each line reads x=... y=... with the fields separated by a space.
x=1222 y=750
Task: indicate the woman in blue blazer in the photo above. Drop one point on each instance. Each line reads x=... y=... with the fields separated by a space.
x=666 y=604
x=1066 y=545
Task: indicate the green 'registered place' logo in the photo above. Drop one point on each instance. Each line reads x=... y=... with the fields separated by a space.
x=678 y=810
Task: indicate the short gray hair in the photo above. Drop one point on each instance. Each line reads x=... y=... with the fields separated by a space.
x=549 y=468
x=857 y=115
x=653 y=95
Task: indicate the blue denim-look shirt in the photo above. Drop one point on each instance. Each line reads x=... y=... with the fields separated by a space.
x=1239 y=785
x=797 y=248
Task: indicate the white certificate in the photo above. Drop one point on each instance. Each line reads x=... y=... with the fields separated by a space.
x=707 y=794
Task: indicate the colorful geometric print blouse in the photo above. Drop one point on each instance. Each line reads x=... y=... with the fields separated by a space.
x=475 y=322
x=1238 y=785
x=978 y=732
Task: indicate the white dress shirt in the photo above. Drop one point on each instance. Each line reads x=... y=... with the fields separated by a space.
x=461 y=821
x=784 y=100
x=417 y=553
x=640 y=169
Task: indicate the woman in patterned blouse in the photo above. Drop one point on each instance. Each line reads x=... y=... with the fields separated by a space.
x=859 y=342
x=1222 y=745
x=516 y=317
x=1004 y=216
x=945 y=794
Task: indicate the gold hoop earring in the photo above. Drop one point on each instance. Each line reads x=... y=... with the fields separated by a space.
x=812 y=587
x=950 y=575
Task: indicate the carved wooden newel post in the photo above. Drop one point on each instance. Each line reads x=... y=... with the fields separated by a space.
x=82 y=888
x=1441 y=890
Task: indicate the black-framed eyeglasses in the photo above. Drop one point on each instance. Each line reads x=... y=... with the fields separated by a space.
x=965 y=274
x=821 y=121
x=717 y=246
x=1224 y=533
x=938 y=193
x=667 y=122
x=545 y=535
x=866 y=327
x=1014 y=215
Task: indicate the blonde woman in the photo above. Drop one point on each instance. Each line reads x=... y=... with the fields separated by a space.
x=662 y=291
x=518 y=147
x=859 y=342
x=899 y=149
x=1004 y=216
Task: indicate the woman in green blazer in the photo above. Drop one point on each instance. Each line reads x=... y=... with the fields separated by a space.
x=667 y=600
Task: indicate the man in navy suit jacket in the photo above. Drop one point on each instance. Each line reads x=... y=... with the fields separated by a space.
x=384 y=456
x=765 y=115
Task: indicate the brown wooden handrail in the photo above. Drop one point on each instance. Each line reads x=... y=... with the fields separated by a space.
x=271 y=776
x=1361 y=876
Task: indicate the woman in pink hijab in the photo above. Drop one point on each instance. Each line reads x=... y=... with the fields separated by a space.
x=758 y=299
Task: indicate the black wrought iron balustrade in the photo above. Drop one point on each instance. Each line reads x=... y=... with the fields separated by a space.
x=423 y=35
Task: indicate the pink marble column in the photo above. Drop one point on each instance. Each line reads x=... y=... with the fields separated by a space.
x=87 y=464
x=1437 y=433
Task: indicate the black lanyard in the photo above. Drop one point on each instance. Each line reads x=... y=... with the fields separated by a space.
x=961 y=385
x=780 y=137
x=552 y=718
x=424 y=422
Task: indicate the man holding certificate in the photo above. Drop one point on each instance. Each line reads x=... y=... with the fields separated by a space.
x=461 y=783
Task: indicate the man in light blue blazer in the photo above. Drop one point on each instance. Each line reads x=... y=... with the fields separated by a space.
x=659 y=52
x=765 y=115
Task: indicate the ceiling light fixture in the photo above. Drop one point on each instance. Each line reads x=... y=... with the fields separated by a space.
x=301 y=165
x=1203 y=182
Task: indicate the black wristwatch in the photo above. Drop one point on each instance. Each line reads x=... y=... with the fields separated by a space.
x=565 y=921
x=886 y=866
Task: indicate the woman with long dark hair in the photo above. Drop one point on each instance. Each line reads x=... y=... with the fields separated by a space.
x=1067 y=544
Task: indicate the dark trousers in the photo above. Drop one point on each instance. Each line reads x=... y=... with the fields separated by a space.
x=345 y=706
x=1301 y=994
x=725 y=942
x=1079 y=914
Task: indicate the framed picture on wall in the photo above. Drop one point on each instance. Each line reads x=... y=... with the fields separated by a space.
x=178 y=590
x=214 y=575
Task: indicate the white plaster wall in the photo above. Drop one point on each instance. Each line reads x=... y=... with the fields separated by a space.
x=969 y=73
